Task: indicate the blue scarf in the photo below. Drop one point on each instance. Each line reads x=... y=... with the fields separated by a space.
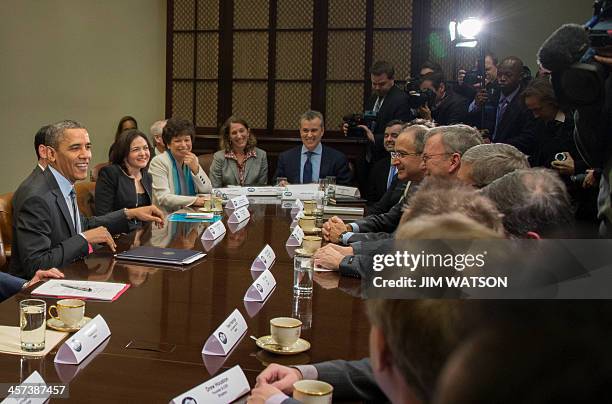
x=176 y=180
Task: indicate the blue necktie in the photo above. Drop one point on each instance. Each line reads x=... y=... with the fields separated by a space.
x=307 y=177
x=392 y=176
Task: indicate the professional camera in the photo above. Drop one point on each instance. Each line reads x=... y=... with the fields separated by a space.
x=368 y=118
x=418 y=98
x=472 y=78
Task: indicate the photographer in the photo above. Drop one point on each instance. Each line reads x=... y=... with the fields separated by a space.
x=449 y=107
x=470 y=82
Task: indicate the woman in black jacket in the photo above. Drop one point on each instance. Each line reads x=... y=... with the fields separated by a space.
x=125 y=183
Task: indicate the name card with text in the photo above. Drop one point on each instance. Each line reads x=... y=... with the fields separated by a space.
x=214 y=231
x=301 y=191
x=221 y=389
x=226 y=335
x=297 y=207
x=210 y=244
x=261 y=287
x=84 y=342
x=33 y=390
x=236 y=227
x=237 y=202
x=296 y=237
x=239 y=215
x=264 y=259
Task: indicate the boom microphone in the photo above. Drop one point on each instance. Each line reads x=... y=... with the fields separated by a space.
x=564 y=47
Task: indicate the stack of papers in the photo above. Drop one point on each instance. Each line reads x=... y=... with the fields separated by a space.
x=81 y=289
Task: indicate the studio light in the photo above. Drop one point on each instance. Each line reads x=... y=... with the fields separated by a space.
x=464 y=34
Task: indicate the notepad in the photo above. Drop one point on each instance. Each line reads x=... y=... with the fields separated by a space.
x=81 y=289
x=171 y=256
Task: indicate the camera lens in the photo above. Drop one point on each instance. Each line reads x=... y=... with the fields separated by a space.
x=560 y=157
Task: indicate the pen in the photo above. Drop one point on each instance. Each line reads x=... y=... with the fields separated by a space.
x=76 y=287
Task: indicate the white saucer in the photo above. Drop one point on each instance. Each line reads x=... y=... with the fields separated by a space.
x=267 y=344
x=58 y=325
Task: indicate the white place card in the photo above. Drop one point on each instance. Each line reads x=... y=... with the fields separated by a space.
x=343 y=190
x=226 y=335
x=214 y=231
x=261 y=287
x=236 y=227
x=68 y=372
x=237 y=202
x=85 y=341
x=21 y=394
x=239 y=215
x=296 y=237
x=264 y=259
x=297 y=207
x=301 y=191
x=221 y=389
x=210 y=244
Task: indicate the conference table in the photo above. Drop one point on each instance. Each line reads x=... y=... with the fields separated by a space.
x=160 y=324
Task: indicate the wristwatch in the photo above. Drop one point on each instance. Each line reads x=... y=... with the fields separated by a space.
x=341 y=236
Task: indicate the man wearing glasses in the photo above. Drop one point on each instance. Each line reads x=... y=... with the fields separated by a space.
x=444 y=147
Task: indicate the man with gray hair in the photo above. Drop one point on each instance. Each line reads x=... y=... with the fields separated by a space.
x=444 y=147
x=534 y=203
x=156 y=131
x=484 y=163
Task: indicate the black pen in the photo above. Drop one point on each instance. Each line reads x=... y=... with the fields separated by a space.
x=77 y=287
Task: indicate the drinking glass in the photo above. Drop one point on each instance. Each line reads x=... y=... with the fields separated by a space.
x=331 y=187
x=303 y=272
x=32 y=314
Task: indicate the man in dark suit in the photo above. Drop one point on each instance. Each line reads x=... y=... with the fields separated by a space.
x=383 y=175
x=450 y=108
x=48 y=230
x=312 y=160
x=9 y=284
x=507 y=118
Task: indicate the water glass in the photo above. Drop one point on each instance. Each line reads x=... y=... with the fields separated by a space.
x=303 y=272
x=302 y=310
x=331 y=187
x=321 y=196
x=32 y=314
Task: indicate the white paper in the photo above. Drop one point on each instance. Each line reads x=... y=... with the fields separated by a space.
x=221 y=389
x=301 y=191
x=99 y=290
x=296 y=237
x=264 y=259
x=239 y=215
x=214 y=231
x=261 y=287
x=18 y=397
x=85 y=341
x=223 y=339
x=347 y=191
x=237 y=202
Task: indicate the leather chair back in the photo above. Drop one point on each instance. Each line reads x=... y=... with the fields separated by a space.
x=205 y=162
x=85 y=192
x=6 y=222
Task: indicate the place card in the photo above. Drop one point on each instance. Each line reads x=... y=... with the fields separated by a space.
x=28 y=393
x=301 y=191
x=296 y=219
x=221 y=389
x=237 y=202
x=85 y=341
x=297 y=206
x=214 y=231
x=343 y=190
x=296 y=237
x=239 y=215
x=67 y=372
x=264 y=260
x=226 y=335
x=210 y=244
x=261 y=287
x=236 y=227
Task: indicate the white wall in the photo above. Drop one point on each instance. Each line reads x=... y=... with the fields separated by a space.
x=520 y=26
x=89 y=60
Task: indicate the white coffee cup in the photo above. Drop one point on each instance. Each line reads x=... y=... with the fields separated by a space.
x=69 y=311
x=311 y=243
x=285 y=330
x=312 y=392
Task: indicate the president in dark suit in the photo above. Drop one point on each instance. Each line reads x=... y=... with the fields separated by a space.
x=48 y=230
x=506 y=116
x=307 y=163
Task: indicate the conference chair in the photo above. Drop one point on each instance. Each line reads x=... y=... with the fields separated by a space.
x=86 y=197
x=205 y=161
x=6 y=223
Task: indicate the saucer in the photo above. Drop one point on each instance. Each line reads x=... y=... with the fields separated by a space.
x=312 y=230
x=303 y=252
x=60 y=326
x=267 y=344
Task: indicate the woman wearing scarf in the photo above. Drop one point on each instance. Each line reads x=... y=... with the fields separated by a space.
x=178 y=178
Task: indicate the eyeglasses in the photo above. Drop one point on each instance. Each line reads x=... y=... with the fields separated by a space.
x=427 y=157
x=401 y=154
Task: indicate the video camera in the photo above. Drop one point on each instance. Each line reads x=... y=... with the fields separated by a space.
x=418 y=98
x=368 y=118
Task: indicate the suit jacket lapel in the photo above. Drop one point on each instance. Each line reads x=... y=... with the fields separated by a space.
x=60 y=201
x=234 y=170
x=324 y=168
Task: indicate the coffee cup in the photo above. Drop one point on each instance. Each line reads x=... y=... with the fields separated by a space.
x=69 y=311
x=312 y=392
x=309 y=207
x=285 y=331
x=307 y=223
x=311 y=243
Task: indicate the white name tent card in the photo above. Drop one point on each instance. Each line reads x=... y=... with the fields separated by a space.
x=210 y=244
x=264 y=260
x=261 y=287
x=343 y=190
x=297 y=207
x=301 y=191
x=68 y=372
x=221 y=389
x=226 y=335
x=25 y=393
x=214 y=231
x=239 y=215
x=85 y=341
x=296 y=237
x=237 y=202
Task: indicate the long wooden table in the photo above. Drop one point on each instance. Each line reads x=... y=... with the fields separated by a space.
x=178 y=310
